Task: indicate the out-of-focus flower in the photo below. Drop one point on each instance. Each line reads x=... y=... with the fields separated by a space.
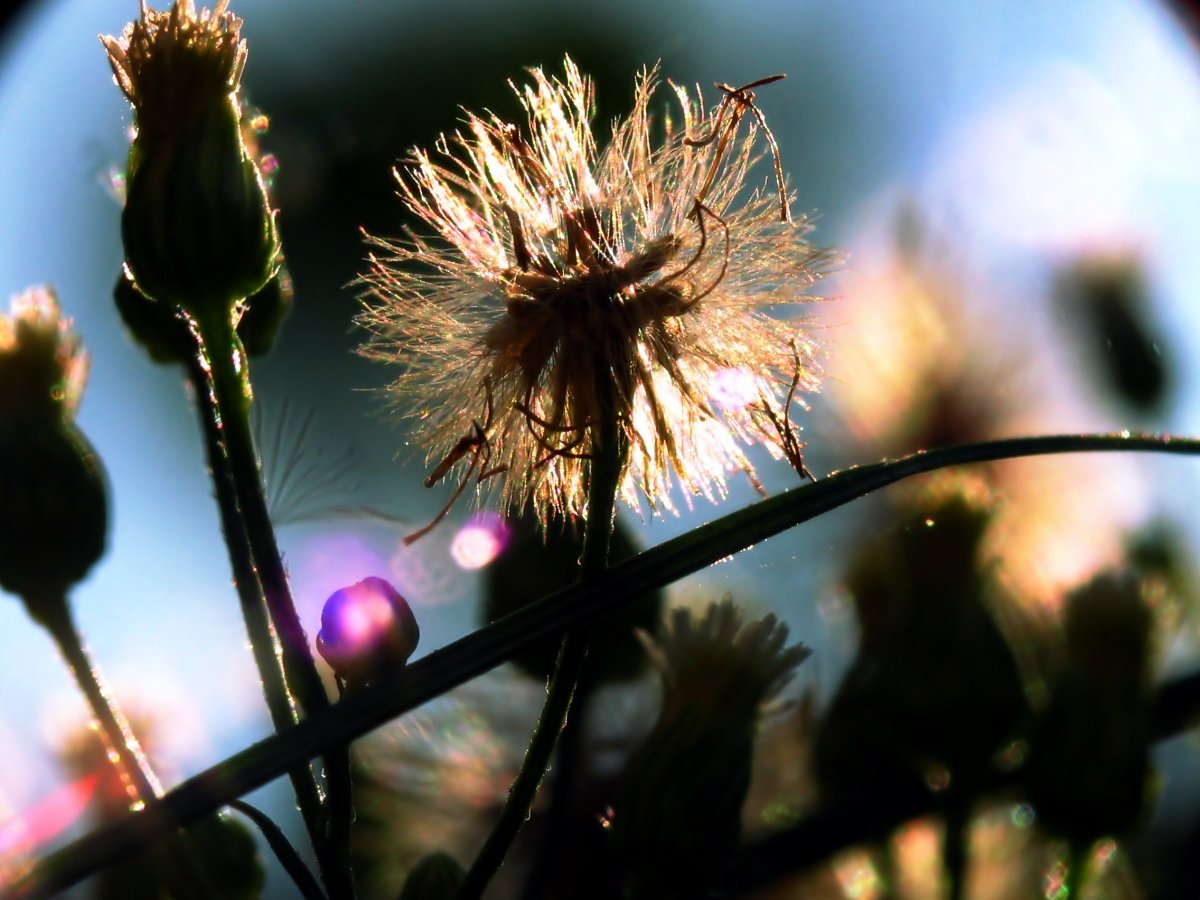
x=1090 y=756
x=53 y=505
x=935 y=684
x=436 y=877
x=367 y=630
x=42 y=366
x=1107 y=300
x=929 y=367
x=574 y=287
x=197 y=225
x=677 y=820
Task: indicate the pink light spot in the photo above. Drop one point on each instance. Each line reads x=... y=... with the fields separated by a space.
x=479 y=541
x=363 y=620
x=49 y=818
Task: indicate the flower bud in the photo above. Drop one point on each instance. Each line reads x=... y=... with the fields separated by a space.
x=436 y=877
x=197 y=224
x=367 y=631
x=1089 y=758
x=264 y=311
x=154 y=325
x=53 y=504
x=677 y=820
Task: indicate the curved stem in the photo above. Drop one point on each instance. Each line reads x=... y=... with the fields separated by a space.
x=227 y=368
x=283 y=850
x=488 y=647
x=263 y=644
x=604 y=478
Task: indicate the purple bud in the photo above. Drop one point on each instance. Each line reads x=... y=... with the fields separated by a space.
x=367 y=631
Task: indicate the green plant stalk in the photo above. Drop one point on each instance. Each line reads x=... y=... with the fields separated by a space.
x=230 y=380
x=494 y=644
x=603 y=482
x=245 y=578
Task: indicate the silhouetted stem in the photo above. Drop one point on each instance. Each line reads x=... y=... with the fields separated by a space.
x=228 y=370
x=245 y=578
x=55 y=615
x=604 y=478
x=491 y=645
x=283 y=850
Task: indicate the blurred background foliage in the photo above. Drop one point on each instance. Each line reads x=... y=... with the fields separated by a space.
x=1018 y=192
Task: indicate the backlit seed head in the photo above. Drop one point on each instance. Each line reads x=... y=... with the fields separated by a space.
x=567 y=286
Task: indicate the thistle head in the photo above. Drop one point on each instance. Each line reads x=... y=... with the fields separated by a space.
x=677 y=820
x=197 y=226
x=174 y=66
x=42 y=365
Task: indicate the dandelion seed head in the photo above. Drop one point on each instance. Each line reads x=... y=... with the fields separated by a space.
x=565 y=286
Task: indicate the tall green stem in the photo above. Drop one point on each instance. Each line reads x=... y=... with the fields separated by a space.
x=245 y=577
x=230 y=381
x=608 y=456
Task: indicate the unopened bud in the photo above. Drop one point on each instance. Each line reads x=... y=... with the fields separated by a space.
x=156 y=326
x=367 y=630
x=53 y=504
x=263 y=313
x=1089 y=761
x=197 y=225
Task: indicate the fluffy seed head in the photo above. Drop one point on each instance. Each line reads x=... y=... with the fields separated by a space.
x=567 y=286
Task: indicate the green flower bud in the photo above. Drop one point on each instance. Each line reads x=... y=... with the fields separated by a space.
x=198 y=227
x=367 y=631
x=53 y=504
x=263 y=313
x=156 y=326
x=436 y=877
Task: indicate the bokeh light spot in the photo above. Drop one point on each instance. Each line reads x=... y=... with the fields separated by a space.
x=479 y=541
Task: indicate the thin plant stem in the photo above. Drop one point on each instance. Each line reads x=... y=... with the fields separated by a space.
x=488 y=647
x=283 y=850
x=187 y=874
x=603 y=482
x=55 y=615
x=263 y=643
x=231 y=391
